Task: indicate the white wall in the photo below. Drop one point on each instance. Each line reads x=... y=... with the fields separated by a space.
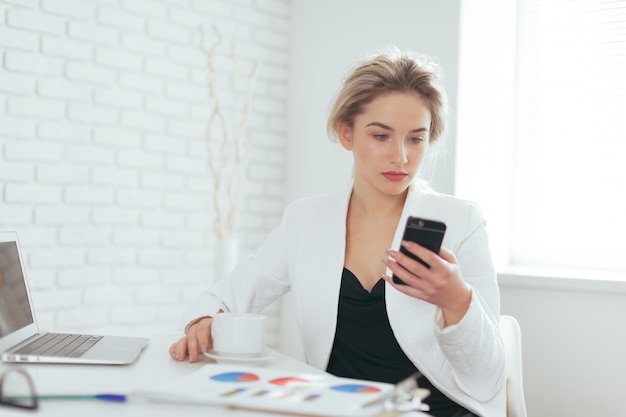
x=103 y=164
x=573 y=343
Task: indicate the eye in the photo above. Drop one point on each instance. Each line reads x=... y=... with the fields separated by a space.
x=416 y=139
x=381 y=136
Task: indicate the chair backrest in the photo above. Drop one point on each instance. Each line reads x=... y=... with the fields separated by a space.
x=512 y=335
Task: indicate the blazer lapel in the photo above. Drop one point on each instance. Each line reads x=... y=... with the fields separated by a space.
x=320 y=273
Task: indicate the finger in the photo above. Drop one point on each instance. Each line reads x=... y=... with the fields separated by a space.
x=410 y=278
x=447 y=256
x=178 y=350
x=426 y=255
x=193 y=347
x=407 y=263
x=203 y=335
x=408 y=289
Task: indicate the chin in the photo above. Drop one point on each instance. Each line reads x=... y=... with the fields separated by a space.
x=397 y=188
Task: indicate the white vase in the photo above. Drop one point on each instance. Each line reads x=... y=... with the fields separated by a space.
x=226 y=252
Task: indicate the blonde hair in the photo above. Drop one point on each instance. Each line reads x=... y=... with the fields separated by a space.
x=385 y=72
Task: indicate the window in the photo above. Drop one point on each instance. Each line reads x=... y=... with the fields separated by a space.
x=542 y=142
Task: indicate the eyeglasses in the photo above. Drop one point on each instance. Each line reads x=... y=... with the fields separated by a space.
x=17 y=389
x=407 y=396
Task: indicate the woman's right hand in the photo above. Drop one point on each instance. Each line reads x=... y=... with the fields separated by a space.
x=196 y=341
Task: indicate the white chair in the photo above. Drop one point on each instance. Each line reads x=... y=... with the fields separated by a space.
x=512 y=335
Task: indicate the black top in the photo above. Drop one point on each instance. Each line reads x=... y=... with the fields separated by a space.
x=366 y=348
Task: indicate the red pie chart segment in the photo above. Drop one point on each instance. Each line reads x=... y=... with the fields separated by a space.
x=288 y=381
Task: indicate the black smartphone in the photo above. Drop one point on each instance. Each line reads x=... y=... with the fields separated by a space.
x=425 y=232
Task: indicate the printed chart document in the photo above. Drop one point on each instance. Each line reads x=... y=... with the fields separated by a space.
x=272 y=390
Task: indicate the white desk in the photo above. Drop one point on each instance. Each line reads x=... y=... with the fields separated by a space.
x=153 y=365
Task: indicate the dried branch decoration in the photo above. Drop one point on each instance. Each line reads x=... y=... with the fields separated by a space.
x=219 y=151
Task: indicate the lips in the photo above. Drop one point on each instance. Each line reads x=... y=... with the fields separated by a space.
x=395 y=176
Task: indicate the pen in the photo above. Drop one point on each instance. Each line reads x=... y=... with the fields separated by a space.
x=117 y=398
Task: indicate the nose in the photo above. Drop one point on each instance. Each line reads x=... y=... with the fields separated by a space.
x=398 y=153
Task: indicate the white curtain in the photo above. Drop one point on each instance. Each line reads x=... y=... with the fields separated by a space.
x=570 y=145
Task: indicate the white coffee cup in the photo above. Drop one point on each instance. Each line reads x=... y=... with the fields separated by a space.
x=238 y=334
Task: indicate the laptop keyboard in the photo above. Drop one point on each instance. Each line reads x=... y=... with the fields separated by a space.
x=60 y=345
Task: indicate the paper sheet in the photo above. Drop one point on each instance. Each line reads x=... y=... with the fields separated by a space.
x=272 y=390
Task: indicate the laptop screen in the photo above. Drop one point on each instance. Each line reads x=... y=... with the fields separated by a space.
x=15 y=312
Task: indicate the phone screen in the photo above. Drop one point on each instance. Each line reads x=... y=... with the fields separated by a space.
x=427 y=233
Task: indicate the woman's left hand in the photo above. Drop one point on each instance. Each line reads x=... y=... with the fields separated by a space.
x=440 y=284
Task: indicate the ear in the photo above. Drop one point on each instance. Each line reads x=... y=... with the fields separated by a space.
x=345 y=135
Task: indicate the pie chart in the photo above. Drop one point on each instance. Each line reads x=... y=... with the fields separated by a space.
x=355 y=388
x=235 y=377
x=291 y=380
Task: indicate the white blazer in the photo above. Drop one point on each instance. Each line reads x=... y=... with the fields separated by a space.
x=305 y=255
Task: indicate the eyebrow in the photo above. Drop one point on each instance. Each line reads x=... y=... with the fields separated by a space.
x=384 y=126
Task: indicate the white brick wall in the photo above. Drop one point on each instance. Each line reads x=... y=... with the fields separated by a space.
x=103 y=163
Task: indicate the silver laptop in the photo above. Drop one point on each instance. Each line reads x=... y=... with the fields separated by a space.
x=20 y=339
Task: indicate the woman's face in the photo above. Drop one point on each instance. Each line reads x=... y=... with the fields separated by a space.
x=389 y=141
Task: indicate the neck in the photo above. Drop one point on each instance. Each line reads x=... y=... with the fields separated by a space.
x=367 y=201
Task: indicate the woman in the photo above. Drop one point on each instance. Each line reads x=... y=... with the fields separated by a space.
x=333 y=252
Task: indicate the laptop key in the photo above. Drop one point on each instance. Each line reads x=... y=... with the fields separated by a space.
x=80 y=350
x=70 y=347
x=36 y=344
x=60 y=345
x=57 y=344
